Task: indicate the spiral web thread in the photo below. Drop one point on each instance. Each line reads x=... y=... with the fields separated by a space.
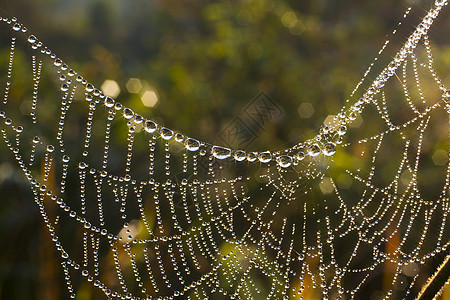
x=157 y=215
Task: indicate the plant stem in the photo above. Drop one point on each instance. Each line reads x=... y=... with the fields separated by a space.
x=434 y=285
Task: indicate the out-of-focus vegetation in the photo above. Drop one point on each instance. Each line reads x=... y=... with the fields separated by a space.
x=194 y=66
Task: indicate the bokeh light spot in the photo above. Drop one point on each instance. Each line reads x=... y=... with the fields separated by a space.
x=110 y=88
x=306 y=110
x=149 y=98
x=134 y=85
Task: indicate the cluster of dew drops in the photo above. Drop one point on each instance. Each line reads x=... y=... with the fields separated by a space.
x=312 y=148
x=221 y=153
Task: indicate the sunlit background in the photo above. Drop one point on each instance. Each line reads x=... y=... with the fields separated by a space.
x=197 y=66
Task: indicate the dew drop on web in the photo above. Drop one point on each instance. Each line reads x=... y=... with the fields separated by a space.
x=314 y=150
x=192 y=144
x=109 y=102
x=166 y=133
x=220 y=152
x=284 y=161
x=252 y=156
x=342 y=130
x=179 y=137
x=329 y=148
x=32 y=39
x=265 y=157
x=150 y=126
x=17 y=27
x=64 y=87
x=128 y=113
x=239 y=155
x=300 y=156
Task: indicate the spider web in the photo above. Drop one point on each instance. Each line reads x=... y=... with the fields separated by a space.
x=155 y=214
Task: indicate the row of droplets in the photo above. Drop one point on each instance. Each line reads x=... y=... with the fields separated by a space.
x=313 y=150
x=221 y=153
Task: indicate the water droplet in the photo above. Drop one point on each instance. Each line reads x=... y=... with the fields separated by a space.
x=314 y=150
x=192 y=144
x=342 y=130
x=127 y=113
x=239 y=155
x=64 y=87
x=184 y=181
x=252 y=156
x=89 y=88
x=150 y=126
x=109 y=102
x=179 y=137
x=138 y=119
x=447 y=94
x=117 y=106
x=65 y=158
x=166 y=133
x=284 y=161
x=220 y=152
x=50 y=148
x=17 y=27
x=265 y=157
x=300 y=156
x=82 y=165
x=329 y=149
x=32 y=39
x=57 y=62
x=8 y=121
x=36 y=139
